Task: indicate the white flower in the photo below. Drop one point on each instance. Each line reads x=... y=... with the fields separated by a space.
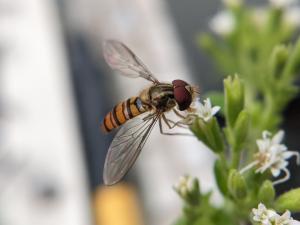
x=281 y=3
x=263 y=215
x=284 y=219
x=270 y=217
x=295 y=222
x=292 y=16
x=222 y=23
x=184 y=185
x=206 y=111
x=272 y=155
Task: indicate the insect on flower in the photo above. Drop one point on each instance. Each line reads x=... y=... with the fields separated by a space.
x=139 y=114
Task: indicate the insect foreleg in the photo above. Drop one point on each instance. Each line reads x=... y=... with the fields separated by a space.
x=178 y=114
x=165 y=133
x=186 y=120
x=174 y=124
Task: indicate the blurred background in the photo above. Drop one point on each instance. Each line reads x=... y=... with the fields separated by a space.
x=56 y=88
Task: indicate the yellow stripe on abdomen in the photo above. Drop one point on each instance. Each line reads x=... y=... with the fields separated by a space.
x=119 y=110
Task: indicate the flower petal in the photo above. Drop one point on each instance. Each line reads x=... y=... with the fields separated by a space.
x=278 y=137
x=261 y=206
x=289 y=154
x=275 y=172
x=295 y=222
x=262 y=145
x=266 y=134
x=215 y=109
x=207 y=103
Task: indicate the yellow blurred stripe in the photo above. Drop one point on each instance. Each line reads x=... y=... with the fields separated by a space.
x=117 y=205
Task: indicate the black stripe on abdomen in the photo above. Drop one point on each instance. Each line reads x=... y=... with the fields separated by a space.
x=128 y=108
x=115 y=117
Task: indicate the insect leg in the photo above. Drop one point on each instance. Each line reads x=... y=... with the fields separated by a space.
x=180 y=123
x=165 y=133
x=178 y=114
x=186 y=120
x=177 y=124
x=150 y=116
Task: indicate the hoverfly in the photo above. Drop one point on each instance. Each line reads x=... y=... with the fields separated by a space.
x=138 y=114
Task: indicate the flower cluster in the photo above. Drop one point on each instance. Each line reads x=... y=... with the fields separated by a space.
x=272 y=154
x=265 y=216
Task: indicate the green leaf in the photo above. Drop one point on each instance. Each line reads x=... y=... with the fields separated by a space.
x=288 y=201
x=274 y=20
x=293 y=63
x=198 y=128
x=204 y=220
x=209 y=133
x=277 y=60
x=194 y=196
x=241 y=129
x=181 y=221
x=216 y=134
x=266 y=193
x=221 y=175
x=237 y=184
x=234 y=99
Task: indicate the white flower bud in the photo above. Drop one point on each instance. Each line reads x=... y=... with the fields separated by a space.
x=222 y=23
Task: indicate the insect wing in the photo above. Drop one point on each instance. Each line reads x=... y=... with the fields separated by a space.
x=119 y=57
x=126 y=147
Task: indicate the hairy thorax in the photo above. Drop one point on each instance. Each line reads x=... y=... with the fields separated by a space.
x=159 y=97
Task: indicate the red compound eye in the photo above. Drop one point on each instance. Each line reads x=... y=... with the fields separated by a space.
x=179 y=83
x=182 y=96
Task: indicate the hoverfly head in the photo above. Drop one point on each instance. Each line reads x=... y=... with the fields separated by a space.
x=183 y=94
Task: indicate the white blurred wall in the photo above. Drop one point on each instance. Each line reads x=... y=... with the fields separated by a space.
x=42 y=171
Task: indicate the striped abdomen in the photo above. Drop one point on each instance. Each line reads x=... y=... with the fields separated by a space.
x=122 y=112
